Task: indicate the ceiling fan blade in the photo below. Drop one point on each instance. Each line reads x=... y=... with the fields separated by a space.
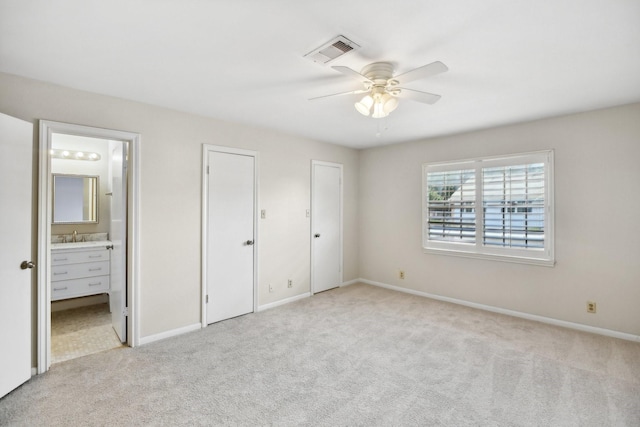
x=353 y=74
x=421 y=72
x=417 y=95
x=353 y=92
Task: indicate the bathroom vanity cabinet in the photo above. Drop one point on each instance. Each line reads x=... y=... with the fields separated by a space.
x=79 y=271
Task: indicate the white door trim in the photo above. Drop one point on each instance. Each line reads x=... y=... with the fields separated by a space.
x=47 y=128
x=206 y=148
x=311 y=231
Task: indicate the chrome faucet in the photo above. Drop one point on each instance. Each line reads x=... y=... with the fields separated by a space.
x=74 y=238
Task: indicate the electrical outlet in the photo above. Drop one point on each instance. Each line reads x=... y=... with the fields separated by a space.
x=290 y=283
x=401 y=274
x=270 y=287
x=591 y=306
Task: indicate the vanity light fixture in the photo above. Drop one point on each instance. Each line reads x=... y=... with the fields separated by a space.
x=74 y=155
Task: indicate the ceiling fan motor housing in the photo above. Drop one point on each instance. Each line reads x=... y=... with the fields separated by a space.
x=378 y=72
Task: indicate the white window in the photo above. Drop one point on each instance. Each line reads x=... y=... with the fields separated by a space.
x=498 y=208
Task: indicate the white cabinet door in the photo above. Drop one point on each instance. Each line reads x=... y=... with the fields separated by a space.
x=326 y=227
x=118 y=237
x=230 y=235
x=16 y=166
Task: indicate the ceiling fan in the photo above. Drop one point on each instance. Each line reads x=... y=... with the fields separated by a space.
x=383 y=89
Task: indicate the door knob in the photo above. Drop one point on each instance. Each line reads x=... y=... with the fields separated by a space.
x=316 y=235
x=27 y=264
x=249 y=242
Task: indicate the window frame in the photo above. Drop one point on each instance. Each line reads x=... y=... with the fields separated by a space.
x=544 y=256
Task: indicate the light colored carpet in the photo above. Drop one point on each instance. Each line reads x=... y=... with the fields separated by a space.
x=81 y=331
x=359 y=355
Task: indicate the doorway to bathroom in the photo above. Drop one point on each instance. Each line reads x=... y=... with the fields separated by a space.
x=87 y=241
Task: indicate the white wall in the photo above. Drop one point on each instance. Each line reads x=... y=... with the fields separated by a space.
x=597 y=208
x=171 y=158
x=597 y=203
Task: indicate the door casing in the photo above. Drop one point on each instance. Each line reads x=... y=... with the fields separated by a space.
x=47 y=129
x=206 y=148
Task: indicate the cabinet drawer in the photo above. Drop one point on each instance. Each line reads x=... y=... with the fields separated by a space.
x=76 y=271
x=63 y=258
x=79 y=287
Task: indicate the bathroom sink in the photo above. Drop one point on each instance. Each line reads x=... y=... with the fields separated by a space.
x=72 y=245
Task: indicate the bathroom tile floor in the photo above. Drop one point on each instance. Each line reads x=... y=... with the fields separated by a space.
x=81 y=331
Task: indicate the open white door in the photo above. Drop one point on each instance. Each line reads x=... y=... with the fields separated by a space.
x=16 y=168
x=118 y=237
x=230 y=234
x=326 y=226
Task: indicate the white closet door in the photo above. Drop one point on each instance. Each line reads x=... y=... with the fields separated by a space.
x=230 y=239
x=16 y=168
x=326 y=227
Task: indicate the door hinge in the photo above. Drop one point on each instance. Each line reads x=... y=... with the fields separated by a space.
x=206 y=299
x=125 y=311
x=207 y=170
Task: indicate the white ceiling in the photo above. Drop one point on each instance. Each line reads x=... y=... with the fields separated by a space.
x=242 y=60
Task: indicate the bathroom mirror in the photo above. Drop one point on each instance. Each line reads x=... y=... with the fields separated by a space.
x=75 y=199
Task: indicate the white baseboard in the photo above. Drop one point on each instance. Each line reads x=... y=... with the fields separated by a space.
x=350 y=282
x=169 y=334
x=196 y=326
x=283 y=301
x=534 y=317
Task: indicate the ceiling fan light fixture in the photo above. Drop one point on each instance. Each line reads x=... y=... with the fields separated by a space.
x=364 y=105
x=378 y=110
x=383 y=104
x=390 y=103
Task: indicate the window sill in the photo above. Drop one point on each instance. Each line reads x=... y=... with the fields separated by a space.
x=492 y=257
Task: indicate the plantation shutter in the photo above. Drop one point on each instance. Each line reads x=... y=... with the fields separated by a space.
x=514 y=202
x=451 y=206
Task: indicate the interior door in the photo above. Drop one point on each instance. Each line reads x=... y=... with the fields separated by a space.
x=230 y=235
x=16 y=166
x=326 y=227
x=118 y=236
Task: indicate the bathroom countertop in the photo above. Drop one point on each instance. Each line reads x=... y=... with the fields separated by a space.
x=78 y=245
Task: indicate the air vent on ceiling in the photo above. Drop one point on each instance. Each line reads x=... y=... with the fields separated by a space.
x=332 y=50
